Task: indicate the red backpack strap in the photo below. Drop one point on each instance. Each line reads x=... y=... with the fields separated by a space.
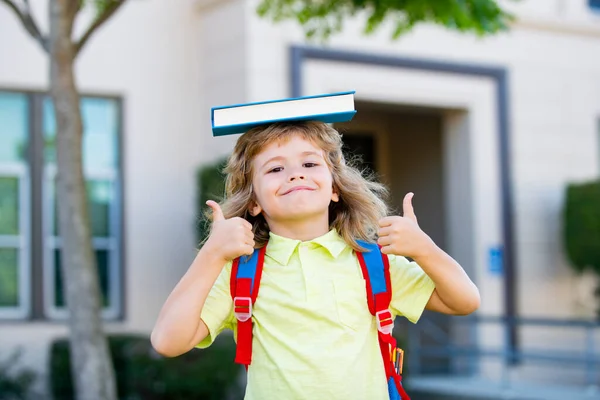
x=376 y=271
x=246 y=272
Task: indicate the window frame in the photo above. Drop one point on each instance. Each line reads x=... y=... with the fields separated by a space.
x=52 y=243
x=21 y=242
x=598 y=141
x=36 y=290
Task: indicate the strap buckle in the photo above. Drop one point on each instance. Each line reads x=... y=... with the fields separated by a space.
x=242 y=308
x=385 y=323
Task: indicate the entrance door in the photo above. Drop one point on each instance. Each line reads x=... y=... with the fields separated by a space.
x=405 y=150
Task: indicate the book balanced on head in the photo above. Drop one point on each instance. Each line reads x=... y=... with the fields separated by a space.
x=239 y=118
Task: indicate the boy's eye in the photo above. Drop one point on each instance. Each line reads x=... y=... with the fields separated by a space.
x=310 y=164
x=276 y=169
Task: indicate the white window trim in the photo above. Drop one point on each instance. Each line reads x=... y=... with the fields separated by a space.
x=51 y=243
x=22 y=242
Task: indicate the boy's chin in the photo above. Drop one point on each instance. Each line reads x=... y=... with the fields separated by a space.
x=300 y=213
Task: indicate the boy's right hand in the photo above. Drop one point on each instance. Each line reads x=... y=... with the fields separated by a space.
x=230 y=238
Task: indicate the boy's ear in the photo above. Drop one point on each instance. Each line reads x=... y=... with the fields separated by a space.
x=254 y=209
x=335 y=197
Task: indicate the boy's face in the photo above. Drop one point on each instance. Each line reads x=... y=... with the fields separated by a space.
x=292 y=181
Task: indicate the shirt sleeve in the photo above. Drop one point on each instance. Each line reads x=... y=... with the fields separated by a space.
x=411 y=288
x=217 y=312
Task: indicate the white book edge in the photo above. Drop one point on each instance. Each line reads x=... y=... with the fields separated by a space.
x=283 y=110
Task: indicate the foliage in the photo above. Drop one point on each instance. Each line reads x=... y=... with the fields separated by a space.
x=582 y=225
x=321 y=18
x=209 y=374
x=101 y=6
x=210 y=186
x=582 y=228
x=14 y=385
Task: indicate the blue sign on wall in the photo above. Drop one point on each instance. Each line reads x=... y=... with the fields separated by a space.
x=495 y=261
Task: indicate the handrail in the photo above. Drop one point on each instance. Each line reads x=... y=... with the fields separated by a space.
x=472 y=351
x=541 y=321
x=588 y=359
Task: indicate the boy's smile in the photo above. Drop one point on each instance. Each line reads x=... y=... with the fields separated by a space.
x=297 y=189
x=291 y=183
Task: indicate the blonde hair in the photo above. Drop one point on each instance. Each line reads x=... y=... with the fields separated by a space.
x=360 y=207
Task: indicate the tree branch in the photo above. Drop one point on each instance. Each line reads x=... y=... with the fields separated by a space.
x=106 y=13
x=29 y=23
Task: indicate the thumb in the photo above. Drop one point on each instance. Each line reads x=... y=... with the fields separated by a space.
x=407 y=208
x=216 y=210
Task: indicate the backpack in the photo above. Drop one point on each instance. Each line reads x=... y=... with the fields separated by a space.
x=245 y=282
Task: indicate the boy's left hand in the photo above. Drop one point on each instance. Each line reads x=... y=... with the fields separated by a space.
x=402 y=236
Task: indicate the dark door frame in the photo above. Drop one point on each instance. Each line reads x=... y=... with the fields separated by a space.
x=299 y=54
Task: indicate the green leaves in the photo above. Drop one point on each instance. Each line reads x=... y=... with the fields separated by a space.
x=210 y=185
x=100 y=6
x=322 y=18
x=582 y=225
x=581 y=231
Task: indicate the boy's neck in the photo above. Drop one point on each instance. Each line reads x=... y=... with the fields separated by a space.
x=303 y=230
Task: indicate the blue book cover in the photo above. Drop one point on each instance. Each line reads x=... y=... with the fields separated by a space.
x=239 y=118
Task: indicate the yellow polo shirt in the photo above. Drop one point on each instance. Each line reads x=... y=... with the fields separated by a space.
x=313 y=335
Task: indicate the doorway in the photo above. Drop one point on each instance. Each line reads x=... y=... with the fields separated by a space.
x=404 y=147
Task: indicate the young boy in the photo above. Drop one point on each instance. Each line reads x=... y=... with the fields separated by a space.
x=289 y=188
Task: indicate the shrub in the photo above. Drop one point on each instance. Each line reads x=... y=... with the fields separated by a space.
x=210 y=186
x=15 y=383
x=141 y=373
x=582 y=227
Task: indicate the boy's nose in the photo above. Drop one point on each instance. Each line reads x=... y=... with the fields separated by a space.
x=296 y=176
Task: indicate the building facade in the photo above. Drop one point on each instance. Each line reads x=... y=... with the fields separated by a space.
x=486 y=131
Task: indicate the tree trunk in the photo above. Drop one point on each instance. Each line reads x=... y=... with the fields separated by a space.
x=91 y=365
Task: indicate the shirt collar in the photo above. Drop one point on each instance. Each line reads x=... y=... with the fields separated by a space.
x=281 y=248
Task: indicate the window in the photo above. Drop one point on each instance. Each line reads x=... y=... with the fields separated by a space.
x=14 y=209
x=101 y=120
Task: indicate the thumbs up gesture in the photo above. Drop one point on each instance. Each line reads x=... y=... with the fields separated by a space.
x=229 y=238
x=402 y=236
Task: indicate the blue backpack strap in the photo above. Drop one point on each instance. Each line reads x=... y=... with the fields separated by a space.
x=376 y=271
x=246 y=272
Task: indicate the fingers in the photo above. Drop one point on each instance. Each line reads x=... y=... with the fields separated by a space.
x=249 y=236
x=386 y=221
x=244 y=223
x=386 y=250
x=385 y=231
x=385 y=240
x=407 y=208
x=216 y=209
x=249 y=250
